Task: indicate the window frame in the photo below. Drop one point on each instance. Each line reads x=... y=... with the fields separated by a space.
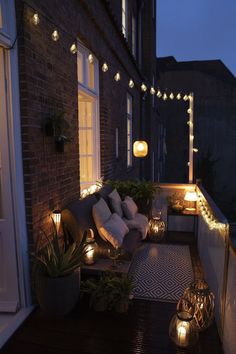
x=134 y=35
x=129 y=127
x=124 y=18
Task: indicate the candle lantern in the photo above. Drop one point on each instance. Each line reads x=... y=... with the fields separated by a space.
x=91 y=248
x=199 y=294
x=183 y=330
x=157 y=228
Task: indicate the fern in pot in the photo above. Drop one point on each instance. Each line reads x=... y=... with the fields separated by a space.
x=57 y=272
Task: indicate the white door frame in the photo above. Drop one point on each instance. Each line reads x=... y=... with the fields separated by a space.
x=7 y=38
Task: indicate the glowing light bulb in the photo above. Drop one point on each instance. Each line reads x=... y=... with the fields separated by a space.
x=152 y=91
x=178 y=96
x=185 y=98
x=143 y=87
x=35 y=19
x=131 y=83
x=188 y=164
x=117 y=76
x=189 y=111
x=73 y=48
x=172 y=96
x=164 y=97
x=159 y=94
x=90 y=58
x=191 y=137
x=195 y=150
x=104 y=67
x=55 y=35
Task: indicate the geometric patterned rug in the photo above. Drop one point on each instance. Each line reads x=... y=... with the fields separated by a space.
x=161 y=272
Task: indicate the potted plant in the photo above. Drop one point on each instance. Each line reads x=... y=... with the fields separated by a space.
x=56 y=125
x=143 y=192
x=122 y=292
x=57 y=272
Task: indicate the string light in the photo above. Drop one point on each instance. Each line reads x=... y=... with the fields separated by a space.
x=191 y=137
x=73 y=48
x=172 y=96
x=90 y=58
x=143 y=87
x=159 y=94
x=55 y=35
x=178 y=96
x=195 y=150
x=164 y=97
x=35 y=19
x=188 y=164
x=152 y=91
x=104 y=67
x=210 y=219
x=185 y=98
x=131 y=83
x=189 y=122
x=117 y=76
x=189 y=111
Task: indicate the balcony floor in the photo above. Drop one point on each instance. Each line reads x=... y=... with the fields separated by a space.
x=144 y=329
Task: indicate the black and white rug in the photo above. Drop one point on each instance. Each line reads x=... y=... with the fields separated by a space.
x=161 y=272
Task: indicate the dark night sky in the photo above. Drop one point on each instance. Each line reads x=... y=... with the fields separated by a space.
x=197 y=30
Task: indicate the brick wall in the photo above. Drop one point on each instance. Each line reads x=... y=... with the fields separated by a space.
x=48 y=83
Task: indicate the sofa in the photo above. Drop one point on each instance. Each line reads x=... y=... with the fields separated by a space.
x=79 y=216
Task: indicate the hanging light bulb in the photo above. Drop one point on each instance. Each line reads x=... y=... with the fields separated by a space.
x=195 y=150
x=117 y=76
x=172 y=96
x=131 y=83
x=55 y=35
x=90 y=58
x=143 y=87
x=189 y=122
x=185 y=98
x=189 y=111
x=104 y=67
x=164 y=97
x=152 y=91
x=73 y=48
x=191 y=137
x=188 y=164
x=35 y=19
x=159 y=94
x=178 y=96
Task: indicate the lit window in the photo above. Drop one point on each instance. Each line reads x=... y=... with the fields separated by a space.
x=129 y=130
x=125 y=19
x=89 y=138
x=134 y=49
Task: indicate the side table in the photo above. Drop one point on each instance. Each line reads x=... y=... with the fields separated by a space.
x=105 y=264
x=184 y=221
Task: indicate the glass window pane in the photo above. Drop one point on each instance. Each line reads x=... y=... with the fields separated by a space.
x=86 y=169
x=85 y=112
x=91 y=72
x=86 y=142
x=80 y=67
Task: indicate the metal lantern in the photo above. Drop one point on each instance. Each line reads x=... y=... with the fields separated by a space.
x=157 y=228
x=91 y=248
x=199 y=294
x=183 y=330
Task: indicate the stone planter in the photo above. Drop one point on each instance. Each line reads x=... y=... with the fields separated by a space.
x=58 y=296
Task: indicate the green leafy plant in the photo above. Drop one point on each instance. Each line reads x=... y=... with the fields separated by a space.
x=56 y=125
x=135 y=189
x=57 y=258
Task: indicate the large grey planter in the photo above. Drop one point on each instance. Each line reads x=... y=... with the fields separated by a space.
x=58 y=296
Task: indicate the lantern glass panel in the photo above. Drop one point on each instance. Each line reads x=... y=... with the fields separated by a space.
x=157 y=228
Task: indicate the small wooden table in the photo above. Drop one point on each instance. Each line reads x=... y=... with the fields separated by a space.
x=191 y=219
x=105 y=264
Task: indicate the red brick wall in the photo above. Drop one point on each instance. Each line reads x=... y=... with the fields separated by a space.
x=48 y=83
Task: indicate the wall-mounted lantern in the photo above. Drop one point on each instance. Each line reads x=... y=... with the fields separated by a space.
x=140 y=148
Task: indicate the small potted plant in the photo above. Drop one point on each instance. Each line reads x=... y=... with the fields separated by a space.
x=56 y=125
x=57 y=272
x=122 y=292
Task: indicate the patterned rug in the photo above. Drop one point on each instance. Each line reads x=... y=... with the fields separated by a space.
x=161 y=272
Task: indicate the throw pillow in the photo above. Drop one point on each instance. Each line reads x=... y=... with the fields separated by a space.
x=114 y=230
x=101 y=213
x=129 y=207
x=115 y=201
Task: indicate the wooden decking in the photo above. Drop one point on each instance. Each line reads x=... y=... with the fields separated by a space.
x=143 y=330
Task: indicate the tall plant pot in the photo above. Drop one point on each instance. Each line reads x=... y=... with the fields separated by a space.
x=58 y=296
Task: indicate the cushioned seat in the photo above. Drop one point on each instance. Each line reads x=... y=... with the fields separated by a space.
x=139 y=222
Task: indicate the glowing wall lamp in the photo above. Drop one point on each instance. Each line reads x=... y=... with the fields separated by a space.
x=56 y=215
x=140 y=148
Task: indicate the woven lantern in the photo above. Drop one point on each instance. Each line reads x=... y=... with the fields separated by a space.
x=90 y=249
x=182 y=330
x=157 y=228
x=199 y=294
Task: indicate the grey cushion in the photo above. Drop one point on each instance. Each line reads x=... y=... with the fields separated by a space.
x=114 y=230
x=129 y=207
x=139 y=222
x=115 y=202
x=101 y=213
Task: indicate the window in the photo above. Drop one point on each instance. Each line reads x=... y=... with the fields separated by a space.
x=129 y=130
x=134 y=49
x=89 y=138
x=125 y=18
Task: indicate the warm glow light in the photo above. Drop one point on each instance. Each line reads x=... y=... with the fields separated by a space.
x=189 y=122
x=159 y=94
x=143 y=87
x=152 y=91
x=56 y=215
x=55 y=35
x=185 y=98
x=195 y=150
x=117 y=76
x=191 y=137
x=90 y=58
x=188 y=164
x=182 y=332
x=178 y=96
x=140 y=148
x=191 y=198
x=90 y=190
x=164 y=97
x=35 y=19
x=172 y=96
x=104 y=67
x=189 y=111
x=73 y=48
x=131 y=83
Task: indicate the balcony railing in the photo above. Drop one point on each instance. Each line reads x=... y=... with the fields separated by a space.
x=216 y=242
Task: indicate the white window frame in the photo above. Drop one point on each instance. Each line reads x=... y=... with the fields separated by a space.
x=134 y=36
x=124 y=15
x=129 y=129
x=83 y=88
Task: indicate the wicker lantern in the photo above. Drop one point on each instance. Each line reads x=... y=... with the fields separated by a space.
x=199 y=294
x=91 y=248
x=182 y=330
x=157 y=228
